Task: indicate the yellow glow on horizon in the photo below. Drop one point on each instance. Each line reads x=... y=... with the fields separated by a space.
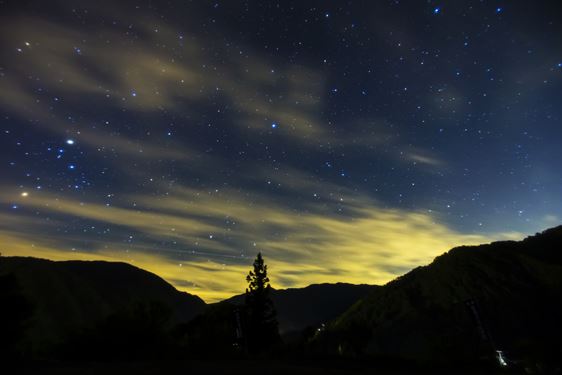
x=329 y=233
x=373 y=245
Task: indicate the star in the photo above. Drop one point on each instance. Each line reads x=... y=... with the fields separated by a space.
x=372 y=116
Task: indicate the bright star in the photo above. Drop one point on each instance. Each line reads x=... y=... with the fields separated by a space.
x=70 y=141
x=71 y=166
x=274 y=125
x=436 y=10
x=24 y=194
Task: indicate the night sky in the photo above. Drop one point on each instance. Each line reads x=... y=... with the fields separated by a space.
x=346 y=140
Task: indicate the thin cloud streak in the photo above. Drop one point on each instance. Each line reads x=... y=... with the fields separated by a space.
x=367 y=245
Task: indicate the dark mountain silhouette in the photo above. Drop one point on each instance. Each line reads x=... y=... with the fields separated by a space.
x=468 y=303
x=71 y=296
x=464 y=307
x=299 y=308
x=74 y=297
x=222 y=329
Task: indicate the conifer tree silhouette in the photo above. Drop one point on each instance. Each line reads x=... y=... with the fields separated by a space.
x=262 y=327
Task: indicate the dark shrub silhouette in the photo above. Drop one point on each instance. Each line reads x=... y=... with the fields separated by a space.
x=214 y=334
x=14 y=313
x=141 y=332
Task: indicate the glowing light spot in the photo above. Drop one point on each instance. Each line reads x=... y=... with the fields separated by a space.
x=274 y=125
x=436 y=10
x=24 y=194
x=71 y=166
x=501 y=358
x=69 y=141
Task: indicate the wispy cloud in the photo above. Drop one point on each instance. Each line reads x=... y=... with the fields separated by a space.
x=163 y=72
x=425 y=158
x=188 y=225
x=367 y=244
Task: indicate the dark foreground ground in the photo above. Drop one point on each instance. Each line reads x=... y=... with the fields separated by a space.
x=234 y=367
